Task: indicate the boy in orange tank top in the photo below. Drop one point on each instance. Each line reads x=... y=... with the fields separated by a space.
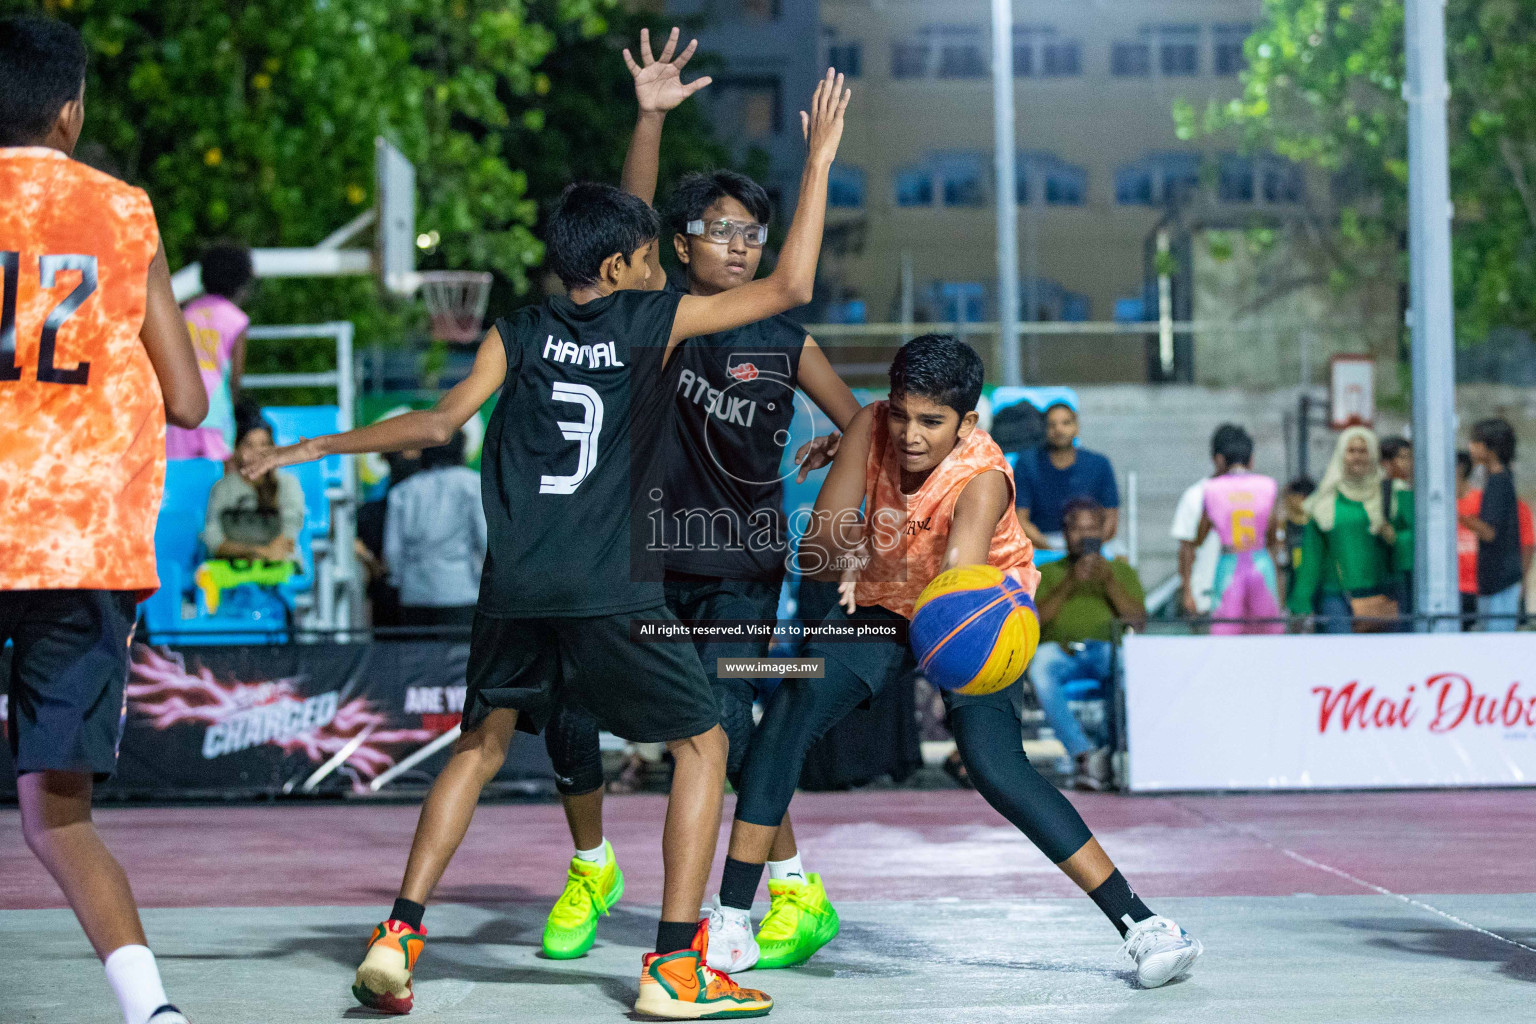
x=94 y=359
x=936 y=493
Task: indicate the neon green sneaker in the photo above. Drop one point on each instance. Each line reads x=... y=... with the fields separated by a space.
x=800 y=921
x=590 y=891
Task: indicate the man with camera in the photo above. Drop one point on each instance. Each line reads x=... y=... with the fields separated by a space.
x=1079 y=599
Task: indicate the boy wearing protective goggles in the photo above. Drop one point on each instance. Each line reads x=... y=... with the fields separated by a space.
x=721 y=513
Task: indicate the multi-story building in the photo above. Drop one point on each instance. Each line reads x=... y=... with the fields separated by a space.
x=1100 y=165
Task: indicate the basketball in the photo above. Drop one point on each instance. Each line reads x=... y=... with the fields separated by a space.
x=974 y=630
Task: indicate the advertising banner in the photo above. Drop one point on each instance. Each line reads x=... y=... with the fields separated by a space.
x=1320 y=712
x=268 y=720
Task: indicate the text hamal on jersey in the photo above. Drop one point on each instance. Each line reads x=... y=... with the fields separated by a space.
x=594 y=357
x=730 y=408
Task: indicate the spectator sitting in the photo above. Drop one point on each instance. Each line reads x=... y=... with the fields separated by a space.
x=1346 y=557
x=1197 y=561
x=217 y=325
x=435 y=539
x=1079 y=599
x=1293 y=529
x=1497 y=526
x=252 y=529
x=1050 y=476
x=1397 y=493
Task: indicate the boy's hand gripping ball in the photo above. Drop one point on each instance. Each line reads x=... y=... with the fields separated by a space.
x=974 y=630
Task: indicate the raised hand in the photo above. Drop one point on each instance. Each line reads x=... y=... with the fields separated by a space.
x=823 y=123
x=659 y=84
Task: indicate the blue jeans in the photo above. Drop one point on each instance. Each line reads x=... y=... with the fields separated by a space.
x=1054 y=667
x=1502 y=609
x=1334 y=614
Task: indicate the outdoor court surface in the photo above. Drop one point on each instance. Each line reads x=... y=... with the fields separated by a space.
x=1347 y=907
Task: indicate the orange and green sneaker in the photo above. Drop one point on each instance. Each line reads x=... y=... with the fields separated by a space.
x=591 y=890
x=800 y=921
x=681 y=986
x=384 y=980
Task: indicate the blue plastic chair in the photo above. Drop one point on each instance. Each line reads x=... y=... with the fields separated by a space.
x=183 y=510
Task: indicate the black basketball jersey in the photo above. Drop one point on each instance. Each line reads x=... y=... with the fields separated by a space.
x=575 y=439
x=724 y=492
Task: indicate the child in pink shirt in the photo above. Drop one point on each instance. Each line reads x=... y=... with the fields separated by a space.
x=217 y=325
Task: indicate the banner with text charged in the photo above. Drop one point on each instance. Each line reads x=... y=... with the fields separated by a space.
x=1321 y=712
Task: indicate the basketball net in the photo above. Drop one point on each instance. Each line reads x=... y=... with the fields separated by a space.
x=456 y=301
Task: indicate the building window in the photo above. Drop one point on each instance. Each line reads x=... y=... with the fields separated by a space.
x=1131 y=60
x=1157 y=179
x=1064 y=184
x=1227 y=55
x=960 y=302
x=845 y=187
x=1280 y=181
x=848 y=58
x=760 y=11
x=1053 y=302
x=1178 y=51
x=962 y=52
x=1234 y=181
x=754 y=104
x=914 y=187
x=1038 y=50
x=909 y=59
x=961 y=178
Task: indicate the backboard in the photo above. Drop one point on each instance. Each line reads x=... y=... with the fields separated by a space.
x=395 y=184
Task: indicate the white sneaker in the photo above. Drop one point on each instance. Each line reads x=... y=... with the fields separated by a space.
x=1162 y=950
x=168 y=1014
x=732 y=946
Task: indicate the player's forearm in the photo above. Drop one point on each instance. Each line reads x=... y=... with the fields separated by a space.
x=642 y=163
x=426 y=428
x=795 y=274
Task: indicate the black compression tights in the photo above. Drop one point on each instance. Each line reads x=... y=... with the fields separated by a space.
x=988 y=739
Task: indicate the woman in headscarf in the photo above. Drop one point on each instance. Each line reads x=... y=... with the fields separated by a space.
x=1347 y=550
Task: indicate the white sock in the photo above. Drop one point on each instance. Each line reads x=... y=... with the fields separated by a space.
x=132 y=973
x=597 y=855
x=790 y=869
x=735 y=913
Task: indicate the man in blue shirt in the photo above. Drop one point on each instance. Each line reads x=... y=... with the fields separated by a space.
x=1049 y=477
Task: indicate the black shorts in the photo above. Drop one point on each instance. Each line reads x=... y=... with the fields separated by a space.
x=701 y=598
x=646 y=693
x=69 y=671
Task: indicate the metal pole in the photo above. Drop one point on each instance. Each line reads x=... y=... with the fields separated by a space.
x=1431 y=316
x=1005 y=145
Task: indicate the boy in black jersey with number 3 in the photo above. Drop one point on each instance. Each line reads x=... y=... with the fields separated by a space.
x=719 y=515
x=587 y=393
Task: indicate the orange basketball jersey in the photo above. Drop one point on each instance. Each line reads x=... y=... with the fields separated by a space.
x=908 y=532
x=82 y=420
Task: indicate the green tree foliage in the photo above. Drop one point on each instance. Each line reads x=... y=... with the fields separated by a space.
x=1324 y=88
x=255 y=121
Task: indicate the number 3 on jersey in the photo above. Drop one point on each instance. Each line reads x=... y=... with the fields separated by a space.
x=584 y=432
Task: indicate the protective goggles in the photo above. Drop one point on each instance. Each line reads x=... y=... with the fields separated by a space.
x=753 y=234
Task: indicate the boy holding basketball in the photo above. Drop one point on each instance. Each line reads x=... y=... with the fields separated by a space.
x=586 y=384
x=936 y=493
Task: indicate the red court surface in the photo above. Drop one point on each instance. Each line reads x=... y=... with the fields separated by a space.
x=874 y=846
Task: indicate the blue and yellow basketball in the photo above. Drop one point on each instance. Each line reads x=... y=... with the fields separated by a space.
x=974 y=630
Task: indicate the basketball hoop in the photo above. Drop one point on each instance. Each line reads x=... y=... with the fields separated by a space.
x=456 y=301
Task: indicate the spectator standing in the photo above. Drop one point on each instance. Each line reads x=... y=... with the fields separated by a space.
x=1346 y=560
x=1047 y=478
x=1397 y=493
x=383 y=596
x=1079 y=599
x=1240 y=508
x=1293 y=529
x=1469 y=502
x=1496 y=526
x=1197 y=559
x=435 y=539
x=252 y=529
x=218 y=327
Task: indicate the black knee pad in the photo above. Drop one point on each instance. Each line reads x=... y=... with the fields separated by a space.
x=736 y=720
x=571 y=737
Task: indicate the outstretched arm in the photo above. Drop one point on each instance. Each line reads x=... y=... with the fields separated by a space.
x=792 y=281
x=659 y=87
x=820 y=381
x=834 y=527
x=978 y=510
x=426 y=428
